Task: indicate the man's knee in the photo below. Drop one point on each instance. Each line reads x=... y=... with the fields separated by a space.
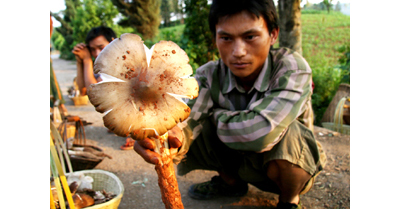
x=284 y=172
x=273 y=171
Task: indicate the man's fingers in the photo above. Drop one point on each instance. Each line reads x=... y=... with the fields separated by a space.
x=145 y=148
x=147 y=143
x=148 y=155
x=79 y=46
x=76 y=49
x=174 y=142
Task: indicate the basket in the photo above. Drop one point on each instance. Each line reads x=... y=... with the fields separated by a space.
x=80 y=100
x=81 y=163
x=107 y=181
x=70 y=130
x=102 y=180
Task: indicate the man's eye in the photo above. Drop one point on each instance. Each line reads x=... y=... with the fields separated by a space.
x=250 y=37
x=225 y=38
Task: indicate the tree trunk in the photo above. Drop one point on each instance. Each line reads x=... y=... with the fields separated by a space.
x=290 y=24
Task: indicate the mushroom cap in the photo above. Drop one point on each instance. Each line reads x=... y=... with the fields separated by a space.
x=143 y=103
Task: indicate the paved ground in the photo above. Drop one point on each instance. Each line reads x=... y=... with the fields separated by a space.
x=332 y=188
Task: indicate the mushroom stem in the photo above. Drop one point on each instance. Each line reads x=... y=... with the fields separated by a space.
x=167 y=182
x=160 y=149
x=158 y=146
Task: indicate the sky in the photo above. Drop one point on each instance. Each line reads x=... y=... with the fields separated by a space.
x=57 y=5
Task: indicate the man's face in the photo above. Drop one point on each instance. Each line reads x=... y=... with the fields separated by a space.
x=243 y=42
x=96 y=45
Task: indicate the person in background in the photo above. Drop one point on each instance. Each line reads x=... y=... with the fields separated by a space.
x=96 y=39
x=252 y=121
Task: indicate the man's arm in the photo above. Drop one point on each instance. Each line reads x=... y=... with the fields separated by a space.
x=85 y=76
x=260 y=127
x=79 y=76
x=88 y=72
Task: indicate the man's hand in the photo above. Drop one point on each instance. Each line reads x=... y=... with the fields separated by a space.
x=175 y=137
x=82 y=52
x=145 y=148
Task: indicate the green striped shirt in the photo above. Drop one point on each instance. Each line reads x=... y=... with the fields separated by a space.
x=253 y=120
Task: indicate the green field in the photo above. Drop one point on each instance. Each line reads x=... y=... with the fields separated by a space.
x=322 y=35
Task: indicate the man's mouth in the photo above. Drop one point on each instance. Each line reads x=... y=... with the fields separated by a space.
x=240 y=65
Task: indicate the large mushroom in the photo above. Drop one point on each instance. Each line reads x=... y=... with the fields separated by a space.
x=141 y=96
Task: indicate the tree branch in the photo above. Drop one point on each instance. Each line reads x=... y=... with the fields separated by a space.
x=63 y=23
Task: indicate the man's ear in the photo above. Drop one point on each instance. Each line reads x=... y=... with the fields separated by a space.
x=274 y=35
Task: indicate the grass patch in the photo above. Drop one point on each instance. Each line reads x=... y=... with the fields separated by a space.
x=322 y=35
x=173 y=33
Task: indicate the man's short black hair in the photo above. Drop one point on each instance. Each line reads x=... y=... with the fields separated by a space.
x=107 y=32
x=264 y=8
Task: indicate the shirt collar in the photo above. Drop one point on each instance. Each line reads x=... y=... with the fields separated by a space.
x=261 y=83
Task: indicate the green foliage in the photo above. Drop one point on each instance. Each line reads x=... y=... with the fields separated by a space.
x=312 y=11
x=79 y=18
x=326 y=81
x=344 y=63
x=177 y=8
x=319 y=6
x=119 y=30
x=168 y=34
x=322 y=35
x=194 y=37
x=197 y=39
x=94 y=13
x=328 y=4
x=57 y=40
x=66 y=29
x=175 y=34
x=142 y=15
x=166 y=9
x=325 y=36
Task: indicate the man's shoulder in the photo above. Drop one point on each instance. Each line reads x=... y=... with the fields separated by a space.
x=207 y=68
x=290 y=59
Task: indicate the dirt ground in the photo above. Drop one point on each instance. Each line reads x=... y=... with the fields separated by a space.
x=331 y=189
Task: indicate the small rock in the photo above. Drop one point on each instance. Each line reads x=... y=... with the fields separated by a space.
x=333 y=134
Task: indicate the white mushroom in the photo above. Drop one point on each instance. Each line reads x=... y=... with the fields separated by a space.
x=143 y=103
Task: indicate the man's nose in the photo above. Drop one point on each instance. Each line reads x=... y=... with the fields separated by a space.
x=96 y=53
x=239 y=49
